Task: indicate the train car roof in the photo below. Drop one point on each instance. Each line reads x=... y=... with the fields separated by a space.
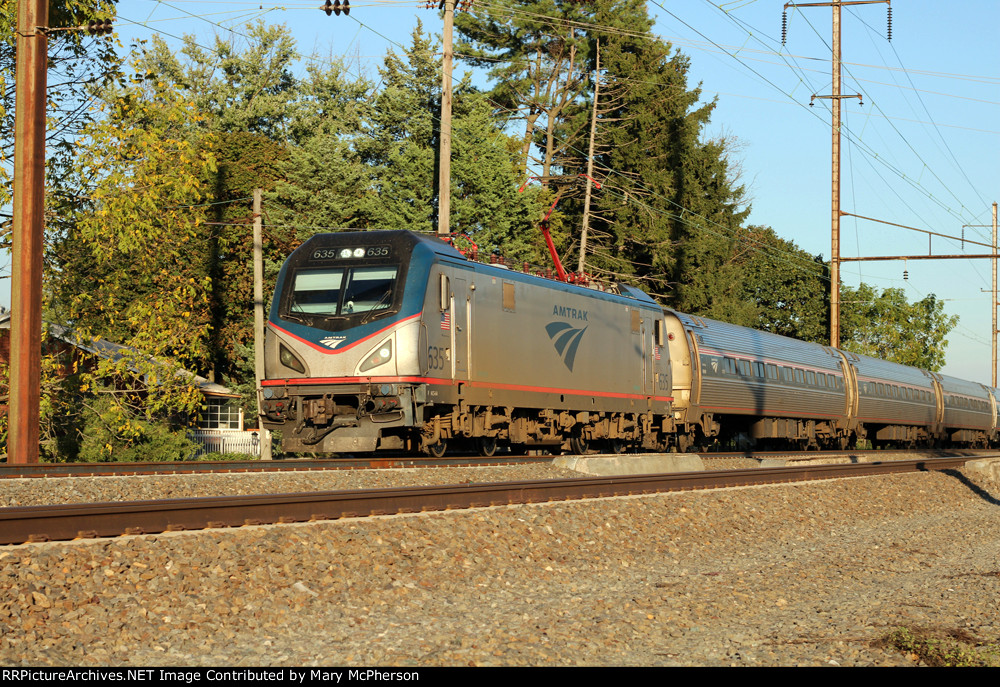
x=443 y=249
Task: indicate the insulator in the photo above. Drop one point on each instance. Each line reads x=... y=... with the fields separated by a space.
x=889 y=28
x=336 y=8
x=963 y=238
x=906 y=276
x=99 y=26
x=784 y=27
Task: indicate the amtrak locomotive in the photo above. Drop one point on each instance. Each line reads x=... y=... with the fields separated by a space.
x=395 y=340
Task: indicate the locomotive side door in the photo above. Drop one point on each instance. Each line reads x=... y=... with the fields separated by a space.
x=461 y=309
x=645 y=354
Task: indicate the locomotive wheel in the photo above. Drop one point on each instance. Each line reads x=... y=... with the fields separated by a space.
x=616 y=446
x=578 y=446
x=487 y=446
x=437 y=450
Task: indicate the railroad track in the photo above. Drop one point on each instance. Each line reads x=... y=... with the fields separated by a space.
x=51 y=523
x=370 y=463
x=213 y=467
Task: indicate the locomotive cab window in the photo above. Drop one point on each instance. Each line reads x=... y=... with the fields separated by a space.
x=343 y=291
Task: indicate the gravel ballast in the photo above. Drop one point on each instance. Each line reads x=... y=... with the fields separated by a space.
x=803 y=574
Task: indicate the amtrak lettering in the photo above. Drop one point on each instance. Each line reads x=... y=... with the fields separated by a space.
x=566 y=340
x=571 y=313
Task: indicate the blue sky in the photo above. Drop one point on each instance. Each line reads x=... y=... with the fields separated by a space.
x=919 y=152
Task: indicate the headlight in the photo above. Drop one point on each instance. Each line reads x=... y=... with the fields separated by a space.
x=288 y=359
x=379 y=356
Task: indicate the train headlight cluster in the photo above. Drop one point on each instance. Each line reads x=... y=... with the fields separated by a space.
x=379 y=356
x=352 y=252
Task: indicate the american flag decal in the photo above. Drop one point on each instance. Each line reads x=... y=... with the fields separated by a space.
x=446 y=321
x=656 y=352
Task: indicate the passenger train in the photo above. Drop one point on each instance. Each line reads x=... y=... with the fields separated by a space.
x=391 y=340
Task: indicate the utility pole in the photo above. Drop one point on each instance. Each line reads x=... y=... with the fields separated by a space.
x=28 y=231
x=835 y=182
x=993 y=300
x=590 y=162
x=258 y=317
x=444 y=163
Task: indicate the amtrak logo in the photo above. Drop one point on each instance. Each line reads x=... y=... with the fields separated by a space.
x=333 y=341
x=566 y=340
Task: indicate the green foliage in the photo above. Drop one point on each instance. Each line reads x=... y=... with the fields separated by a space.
x=399 y=151
x=83 y=61
x=235 y=91
x=151 y=234
x=244 y=161
x=220 y=457
x=955 y=649
x=784 y=287
x=129 y=269
x=670 y=210
x=889 y=327
x=536 y=52
x=112 y=432
x=402 y=139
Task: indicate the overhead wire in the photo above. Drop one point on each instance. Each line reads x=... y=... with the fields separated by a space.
x=858 y=138
x=680 y=218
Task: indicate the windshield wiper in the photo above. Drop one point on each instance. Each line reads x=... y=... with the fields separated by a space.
x=371 y=313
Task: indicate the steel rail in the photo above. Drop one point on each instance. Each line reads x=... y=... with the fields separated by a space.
x=877 y=454
x=65 y=522
x=42 y=470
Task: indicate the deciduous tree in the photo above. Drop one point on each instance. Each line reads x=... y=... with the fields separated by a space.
x=886 y=325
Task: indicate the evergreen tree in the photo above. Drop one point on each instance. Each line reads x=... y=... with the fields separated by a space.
x=669 y=210
x=400 y=149
x=536 y=53
x=402 y=139
x=248 y=90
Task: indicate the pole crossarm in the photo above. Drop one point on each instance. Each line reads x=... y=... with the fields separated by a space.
x=923 y=231
x=838 y=4
x=960 y=256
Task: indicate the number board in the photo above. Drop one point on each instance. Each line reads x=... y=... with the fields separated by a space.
x=357 y=253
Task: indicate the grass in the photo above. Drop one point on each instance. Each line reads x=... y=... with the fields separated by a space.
x=944 y=648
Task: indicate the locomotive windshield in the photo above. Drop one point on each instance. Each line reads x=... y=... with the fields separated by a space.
x=343 y=291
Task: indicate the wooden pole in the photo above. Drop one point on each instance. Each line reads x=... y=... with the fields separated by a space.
x=258 y=317
x=444 y=163
x=28 y=232
x=993 y=307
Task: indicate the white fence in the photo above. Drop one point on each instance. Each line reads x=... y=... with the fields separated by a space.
x=226 y=441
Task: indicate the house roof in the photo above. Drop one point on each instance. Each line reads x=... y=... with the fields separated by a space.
x=114 y=351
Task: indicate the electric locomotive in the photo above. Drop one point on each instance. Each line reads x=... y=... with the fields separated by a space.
x=394 y=340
